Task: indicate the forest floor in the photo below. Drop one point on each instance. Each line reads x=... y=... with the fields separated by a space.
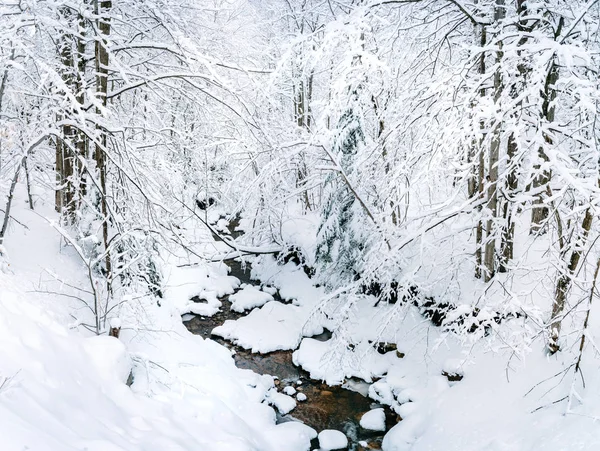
x=62 y=387
x=503 y=402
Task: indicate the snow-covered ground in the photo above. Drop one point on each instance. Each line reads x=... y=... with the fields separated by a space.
x=507 y=399
x=64 y=388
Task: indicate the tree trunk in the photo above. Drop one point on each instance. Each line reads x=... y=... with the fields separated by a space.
x=81 y=144
x=564 y=282
x=11 y=193
x=493 y=160
x=539 y=213
x=58 y=193
x=28 y=181
x=64 y=155
x=508 y=232
x=103 y=8
x=480 y=172
x=512 y=182
x=587 y=318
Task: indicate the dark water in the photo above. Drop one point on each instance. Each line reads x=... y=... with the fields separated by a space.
x=326 y=407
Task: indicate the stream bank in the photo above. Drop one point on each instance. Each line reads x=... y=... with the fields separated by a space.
x=326 y=407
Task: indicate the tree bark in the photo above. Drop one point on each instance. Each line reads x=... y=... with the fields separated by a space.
x=512 y=182
x=11 y=193
x=64 y=157
x=28 y=181
x=508 y=231
x=480 y=172
x=493 y=160
x=565 y=280
x=103 y=9
x=539 y=212
x=81 y=144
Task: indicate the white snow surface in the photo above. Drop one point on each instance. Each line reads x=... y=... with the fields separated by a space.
x=207 y=281
x=506 y=401
x=284 y=403
x=248 y=298
x=63 y=388
x=330 y=439
x=289 y=390
x=277 y=326
x=373 y=420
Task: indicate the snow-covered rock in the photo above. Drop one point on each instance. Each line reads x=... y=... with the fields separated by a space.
x=301 y=397
x=292 y=435
x=373 y=420
x=269 y=289
x=284 y=403
x=330 y=439
x=206 y=282
x=289 y=390
x=248 y=298
x=273 y=327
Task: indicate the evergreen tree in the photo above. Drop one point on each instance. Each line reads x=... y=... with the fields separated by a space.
x=339 y=242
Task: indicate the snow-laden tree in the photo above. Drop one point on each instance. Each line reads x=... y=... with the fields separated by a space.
x=476 y=157
x=139 y=105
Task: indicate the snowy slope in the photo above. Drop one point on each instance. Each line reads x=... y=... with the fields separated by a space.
x=64 y=388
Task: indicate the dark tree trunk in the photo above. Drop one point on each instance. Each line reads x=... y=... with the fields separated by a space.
x=103 y=9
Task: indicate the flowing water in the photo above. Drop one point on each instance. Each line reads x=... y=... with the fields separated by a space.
x=326 y=407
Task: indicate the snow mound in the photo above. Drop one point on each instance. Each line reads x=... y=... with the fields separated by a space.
x=373 y=420
x=109 y=357
x=248 y=298
x=284 y=403
x=204 y=282
x=330 y=439
x=313 y=356
x=273 y=327
x=295 y=435
x=289 y=390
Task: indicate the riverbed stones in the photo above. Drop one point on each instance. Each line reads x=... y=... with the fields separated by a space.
x=289 y=390
x=373 y=420
x=330 y=440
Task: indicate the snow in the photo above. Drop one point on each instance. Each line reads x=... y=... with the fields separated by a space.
x=206 y=281
x=248 y=298
x=315 y=357
x=69 y=392
x=277 y=326
x=269 y=289
x=284 y=403
x=373 y=420
x=64 y=388
x=330 y=439
x=188 y=394
x=414 y=386
x=109 y=356
x=454 y=366
x=292 y=435
x=273 y=327
x=289 y=390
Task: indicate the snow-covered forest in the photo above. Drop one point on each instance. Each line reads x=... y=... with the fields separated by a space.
x=289 y=225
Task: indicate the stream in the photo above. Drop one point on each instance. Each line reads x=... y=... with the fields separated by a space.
x=326 y=407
